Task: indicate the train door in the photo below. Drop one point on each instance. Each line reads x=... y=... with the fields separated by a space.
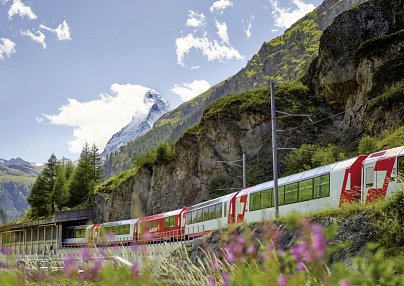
x=241 y=204
x=376 y=178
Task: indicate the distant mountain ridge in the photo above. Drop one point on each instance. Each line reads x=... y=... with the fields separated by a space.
x=16 y=179
x=285 y=58
x=139 y=126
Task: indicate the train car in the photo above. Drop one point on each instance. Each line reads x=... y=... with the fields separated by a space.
x=320 y=188
x=162 y=227
x=383 y=174
x=78 y=235
x=207 y=216
x=117 y=232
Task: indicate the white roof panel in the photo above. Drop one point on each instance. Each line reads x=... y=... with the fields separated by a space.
x=212 y=202
x=120 y=222
x=301 y=176
x=384 y=154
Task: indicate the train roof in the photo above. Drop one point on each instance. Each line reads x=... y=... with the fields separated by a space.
x=120 y=222
x=212 y=202
x=162 y=215
x=323 y=170
x=394 y=152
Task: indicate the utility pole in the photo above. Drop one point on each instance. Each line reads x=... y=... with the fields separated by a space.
x=274 y=150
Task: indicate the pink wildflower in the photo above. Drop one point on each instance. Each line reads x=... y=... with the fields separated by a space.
x=230 y=255
x=345 y=283
x=226 y=278
x=282 y=280
x=85 y=253
x=215 y=265
x=300 y=266
x=135 y=270
x=318 y=241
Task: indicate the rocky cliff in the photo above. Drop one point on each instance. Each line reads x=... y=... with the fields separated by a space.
x=282 y=59
x=358 y=71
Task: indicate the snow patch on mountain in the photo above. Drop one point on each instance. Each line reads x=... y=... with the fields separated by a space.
x=139 y=124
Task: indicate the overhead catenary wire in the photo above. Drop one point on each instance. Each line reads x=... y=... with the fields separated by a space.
x=312 y=123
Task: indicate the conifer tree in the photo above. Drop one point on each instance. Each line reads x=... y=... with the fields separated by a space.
x=37 y=199
x=49 y=178
x=96 y=162
x=60 y=194
x=81 y=181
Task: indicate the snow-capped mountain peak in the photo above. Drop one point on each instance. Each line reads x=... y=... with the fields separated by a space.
x=141 y=122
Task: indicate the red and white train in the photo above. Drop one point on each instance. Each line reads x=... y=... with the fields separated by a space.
x=360 y=179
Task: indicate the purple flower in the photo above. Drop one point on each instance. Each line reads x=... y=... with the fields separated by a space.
x=134 y=247
x=96 y=268
x=135 y=270
x=212 y=281
x=282 y=280
x=251 y=250
x=240 y=239
x=68 y=265
x=230 y=255
x=345 y=283
x=318 y=241
x=300 y=266
x=215 y=265
x=300 y=251
x=85 y=253
x=110 y=236
x=5 y=250
x=226 y=278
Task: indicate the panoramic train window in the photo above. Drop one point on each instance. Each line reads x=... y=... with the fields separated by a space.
x=116 y=229
x=400 y=169
x=219 y=210
x=322 y=186
x=225 y=209
x=291 y=193
x=255 y=201
x=266 y=199
x=169 y=222
x=281 y=195
x=306 y=190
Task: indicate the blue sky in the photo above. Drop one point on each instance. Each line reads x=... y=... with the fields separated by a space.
x=73 y=71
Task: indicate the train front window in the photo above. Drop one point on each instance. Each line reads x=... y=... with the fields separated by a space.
x=369 y=177
x=169 y=222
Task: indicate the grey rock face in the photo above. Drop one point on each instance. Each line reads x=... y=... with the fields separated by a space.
x=138 y=127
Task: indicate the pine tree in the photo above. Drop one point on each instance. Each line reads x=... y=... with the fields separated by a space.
x=60 y=194
x=96 y=161
x=37 y=199
x=81 y=182
x=40 y=199
x=49 y=178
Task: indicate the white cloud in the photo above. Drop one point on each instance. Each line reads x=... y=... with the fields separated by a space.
x=209 y=48
x=195 y=20
x=97 y=120
x=38 y=37
x=62 y=31
x=7 y=47
x=247 y=25
x=19 y=8
x=187 y=91
x=285 y=17
x=220 y=6
x=222 y=31
x=39 y=119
